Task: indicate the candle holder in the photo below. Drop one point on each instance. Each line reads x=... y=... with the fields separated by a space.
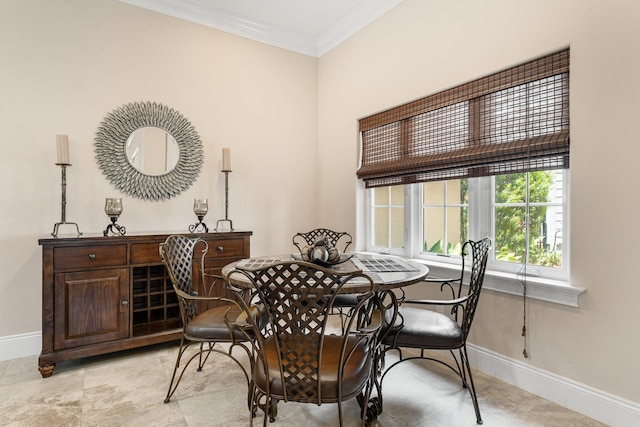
x=200 y=208
x=226 y=202
x=63 y=203
x=113 y=209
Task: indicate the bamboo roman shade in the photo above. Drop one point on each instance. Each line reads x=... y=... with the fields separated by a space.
x=512 y=121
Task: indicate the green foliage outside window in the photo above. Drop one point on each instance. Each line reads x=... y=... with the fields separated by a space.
x=438 y=248
x=510 y=220
x=464 y=217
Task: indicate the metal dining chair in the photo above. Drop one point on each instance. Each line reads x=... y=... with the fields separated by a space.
x=208 y=328
x=419 y=328
x=298 y=360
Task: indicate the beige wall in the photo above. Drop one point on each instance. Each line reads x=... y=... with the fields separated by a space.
x=422 y=47
x=65 y=64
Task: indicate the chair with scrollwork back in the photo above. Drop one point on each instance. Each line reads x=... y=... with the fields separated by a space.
x=209 y=328
x=344 y=304
x=299 y=358
x=338 y=239
x=419 y=328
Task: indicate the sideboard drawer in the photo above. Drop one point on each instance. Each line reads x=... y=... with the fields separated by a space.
x=89 y=256
x=144 y=253
x=224 y=248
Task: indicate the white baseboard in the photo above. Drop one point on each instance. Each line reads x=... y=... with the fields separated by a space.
x=22 y=345
x=599 y=405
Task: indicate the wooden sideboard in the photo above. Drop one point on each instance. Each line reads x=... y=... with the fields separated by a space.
x=106 y=294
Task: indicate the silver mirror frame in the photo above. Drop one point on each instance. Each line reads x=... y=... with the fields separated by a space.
x=110 y=148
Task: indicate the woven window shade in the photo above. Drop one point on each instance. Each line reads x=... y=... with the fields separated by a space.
x=513 y=121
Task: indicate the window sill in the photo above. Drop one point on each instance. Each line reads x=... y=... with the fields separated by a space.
x=554 y=291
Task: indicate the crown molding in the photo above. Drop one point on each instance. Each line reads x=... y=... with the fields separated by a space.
x=212 y=17
x=352 y=23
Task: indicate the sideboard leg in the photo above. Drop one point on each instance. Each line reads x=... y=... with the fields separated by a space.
x=46 y=370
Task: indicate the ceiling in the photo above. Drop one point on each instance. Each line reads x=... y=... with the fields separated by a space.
x=310 y=27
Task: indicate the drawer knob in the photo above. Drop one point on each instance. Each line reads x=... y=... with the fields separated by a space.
x=92 y=256
x=125 y=302
x=220 y=248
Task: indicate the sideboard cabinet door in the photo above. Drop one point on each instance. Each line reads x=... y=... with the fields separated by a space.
x=91 y=307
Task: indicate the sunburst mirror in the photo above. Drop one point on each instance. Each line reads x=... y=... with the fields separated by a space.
x=148 y=150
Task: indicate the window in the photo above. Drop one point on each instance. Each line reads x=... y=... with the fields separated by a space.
x=454 y=211
x=486 y=158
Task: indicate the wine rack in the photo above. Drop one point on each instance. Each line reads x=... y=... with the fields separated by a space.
x=155 y=305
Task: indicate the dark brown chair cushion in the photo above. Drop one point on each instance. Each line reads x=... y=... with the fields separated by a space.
x=345 y=300
x=356 y=371
x=211 y=325
x=424 y=328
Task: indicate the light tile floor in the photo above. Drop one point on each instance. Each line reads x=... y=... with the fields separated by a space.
x=128 y=389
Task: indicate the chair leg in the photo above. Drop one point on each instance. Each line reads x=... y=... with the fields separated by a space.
x=203 y=355
x=183 y=348
x=462 y=368
x=202 y=361
x=260 y=400
x=172 y=389
x=470 y=385
x=461 y=371
x=370 y=407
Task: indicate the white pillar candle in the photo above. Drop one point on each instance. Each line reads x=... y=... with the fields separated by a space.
x=226 y=160
x=63 y=149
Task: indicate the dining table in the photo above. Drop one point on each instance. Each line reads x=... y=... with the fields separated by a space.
x=387 y=272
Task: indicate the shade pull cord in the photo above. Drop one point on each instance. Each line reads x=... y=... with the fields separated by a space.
x=523 y=281
x=524 y=318
x=527 y=221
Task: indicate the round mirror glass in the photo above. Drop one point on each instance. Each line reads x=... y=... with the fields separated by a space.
x=152 y=151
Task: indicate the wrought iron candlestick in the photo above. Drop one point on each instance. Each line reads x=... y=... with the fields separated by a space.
x=113 y=209
x=63 y=203
x=200 y=208
x=226 y=202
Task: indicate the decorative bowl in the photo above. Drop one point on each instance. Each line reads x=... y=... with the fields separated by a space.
x=343 y=258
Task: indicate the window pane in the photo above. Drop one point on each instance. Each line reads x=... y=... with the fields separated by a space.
x=433 y=230
x=511 y=188
x=545 y=193
x=397 y=227
x=510 y=234
x=445 y=216
x=381 y=227
x=539 y=186
x=397 y=195
x=455 y=193
x=381 y=196
x=433 y=193
x=457 y=230
x=544 y=249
